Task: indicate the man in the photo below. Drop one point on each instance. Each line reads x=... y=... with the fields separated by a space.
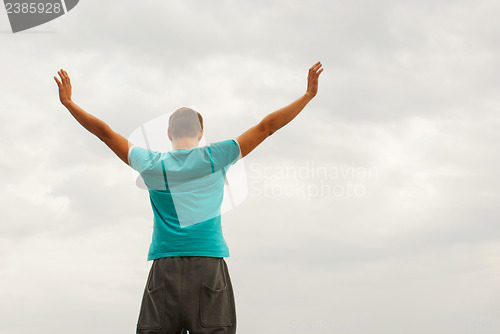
x=189 y=287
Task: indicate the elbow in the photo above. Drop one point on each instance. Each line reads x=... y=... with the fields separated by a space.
x=266 y=127
x=102 y=132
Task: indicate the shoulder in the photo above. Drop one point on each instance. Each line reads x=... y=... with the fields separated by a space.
x=141 y=158
x=225 y=144
x=226 y=152
x=141 y=151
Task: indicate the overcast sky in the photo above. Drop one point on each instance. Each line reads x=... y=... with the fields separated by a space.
x=374 y=211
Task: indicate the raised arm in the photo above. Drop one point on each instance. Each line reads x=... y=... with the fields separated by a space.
x=117 y=143
x=251 y=138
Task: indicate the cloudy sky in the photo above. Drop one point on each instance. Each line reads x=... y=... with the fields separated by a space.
x=374 y=211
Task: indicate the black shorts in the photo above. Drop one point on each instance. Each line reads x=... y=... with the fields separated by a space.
x=188 y=293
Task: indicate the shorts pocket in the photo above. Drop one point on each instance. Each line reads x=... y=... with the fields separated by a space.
x=215 y=307
x=152 y=309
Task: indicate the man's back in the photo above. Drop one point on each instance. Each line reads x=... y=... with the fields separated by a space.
x=186 y=190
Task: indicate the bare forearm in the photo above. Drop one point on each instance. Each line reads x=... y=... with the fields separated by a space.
x=281 y=117
x=88 y=121
x=251 y=138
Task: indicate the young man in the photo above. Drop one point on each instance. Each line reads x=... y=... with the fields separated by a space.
x=189 y=287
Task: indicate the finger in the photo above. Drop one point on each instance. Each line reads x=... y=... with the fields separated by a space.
x=67 y=76
x=312 y=67
x=317 y=66
x=63 y=76
x=319 y=72
x=58 y=82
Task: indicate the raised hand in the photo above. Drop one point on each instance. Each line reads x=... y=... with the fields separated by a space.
x=64 y=87
x=313 y=78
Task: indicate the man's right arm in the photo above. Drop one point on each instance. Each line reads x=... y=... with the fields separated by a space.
x=251 y=138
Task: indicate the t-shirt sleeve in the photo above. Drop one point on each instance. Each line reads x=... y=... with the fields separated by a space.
x=142 y=159
x=225 y=153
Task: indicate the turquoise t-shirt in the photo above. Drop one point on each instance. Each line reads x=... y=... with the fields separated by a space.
x=186 y=188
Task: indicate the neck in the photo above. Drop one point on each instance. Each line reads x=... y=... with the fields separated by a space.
x=183 y=143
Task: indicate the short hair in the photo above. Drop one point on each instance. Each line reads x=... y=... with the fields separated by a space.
x=185 y=122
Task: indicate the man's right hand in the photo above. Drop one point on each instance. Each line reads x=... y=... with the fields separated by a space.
x=312 y=79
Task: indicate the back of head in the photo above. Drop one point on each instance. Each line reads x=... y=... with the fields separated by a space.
x=185 y=122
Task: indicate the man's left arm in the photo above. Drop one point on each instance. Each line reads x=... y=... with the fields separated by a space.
x=116 y=142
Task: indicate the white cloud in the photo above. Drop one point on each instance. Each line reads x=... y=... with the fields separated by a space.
x=409 y=88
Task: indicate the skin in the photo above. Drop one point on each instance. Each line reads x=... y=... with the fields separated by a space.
x=116 y=142
x=281 y=117
x=249 y=140
x=185 y=142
